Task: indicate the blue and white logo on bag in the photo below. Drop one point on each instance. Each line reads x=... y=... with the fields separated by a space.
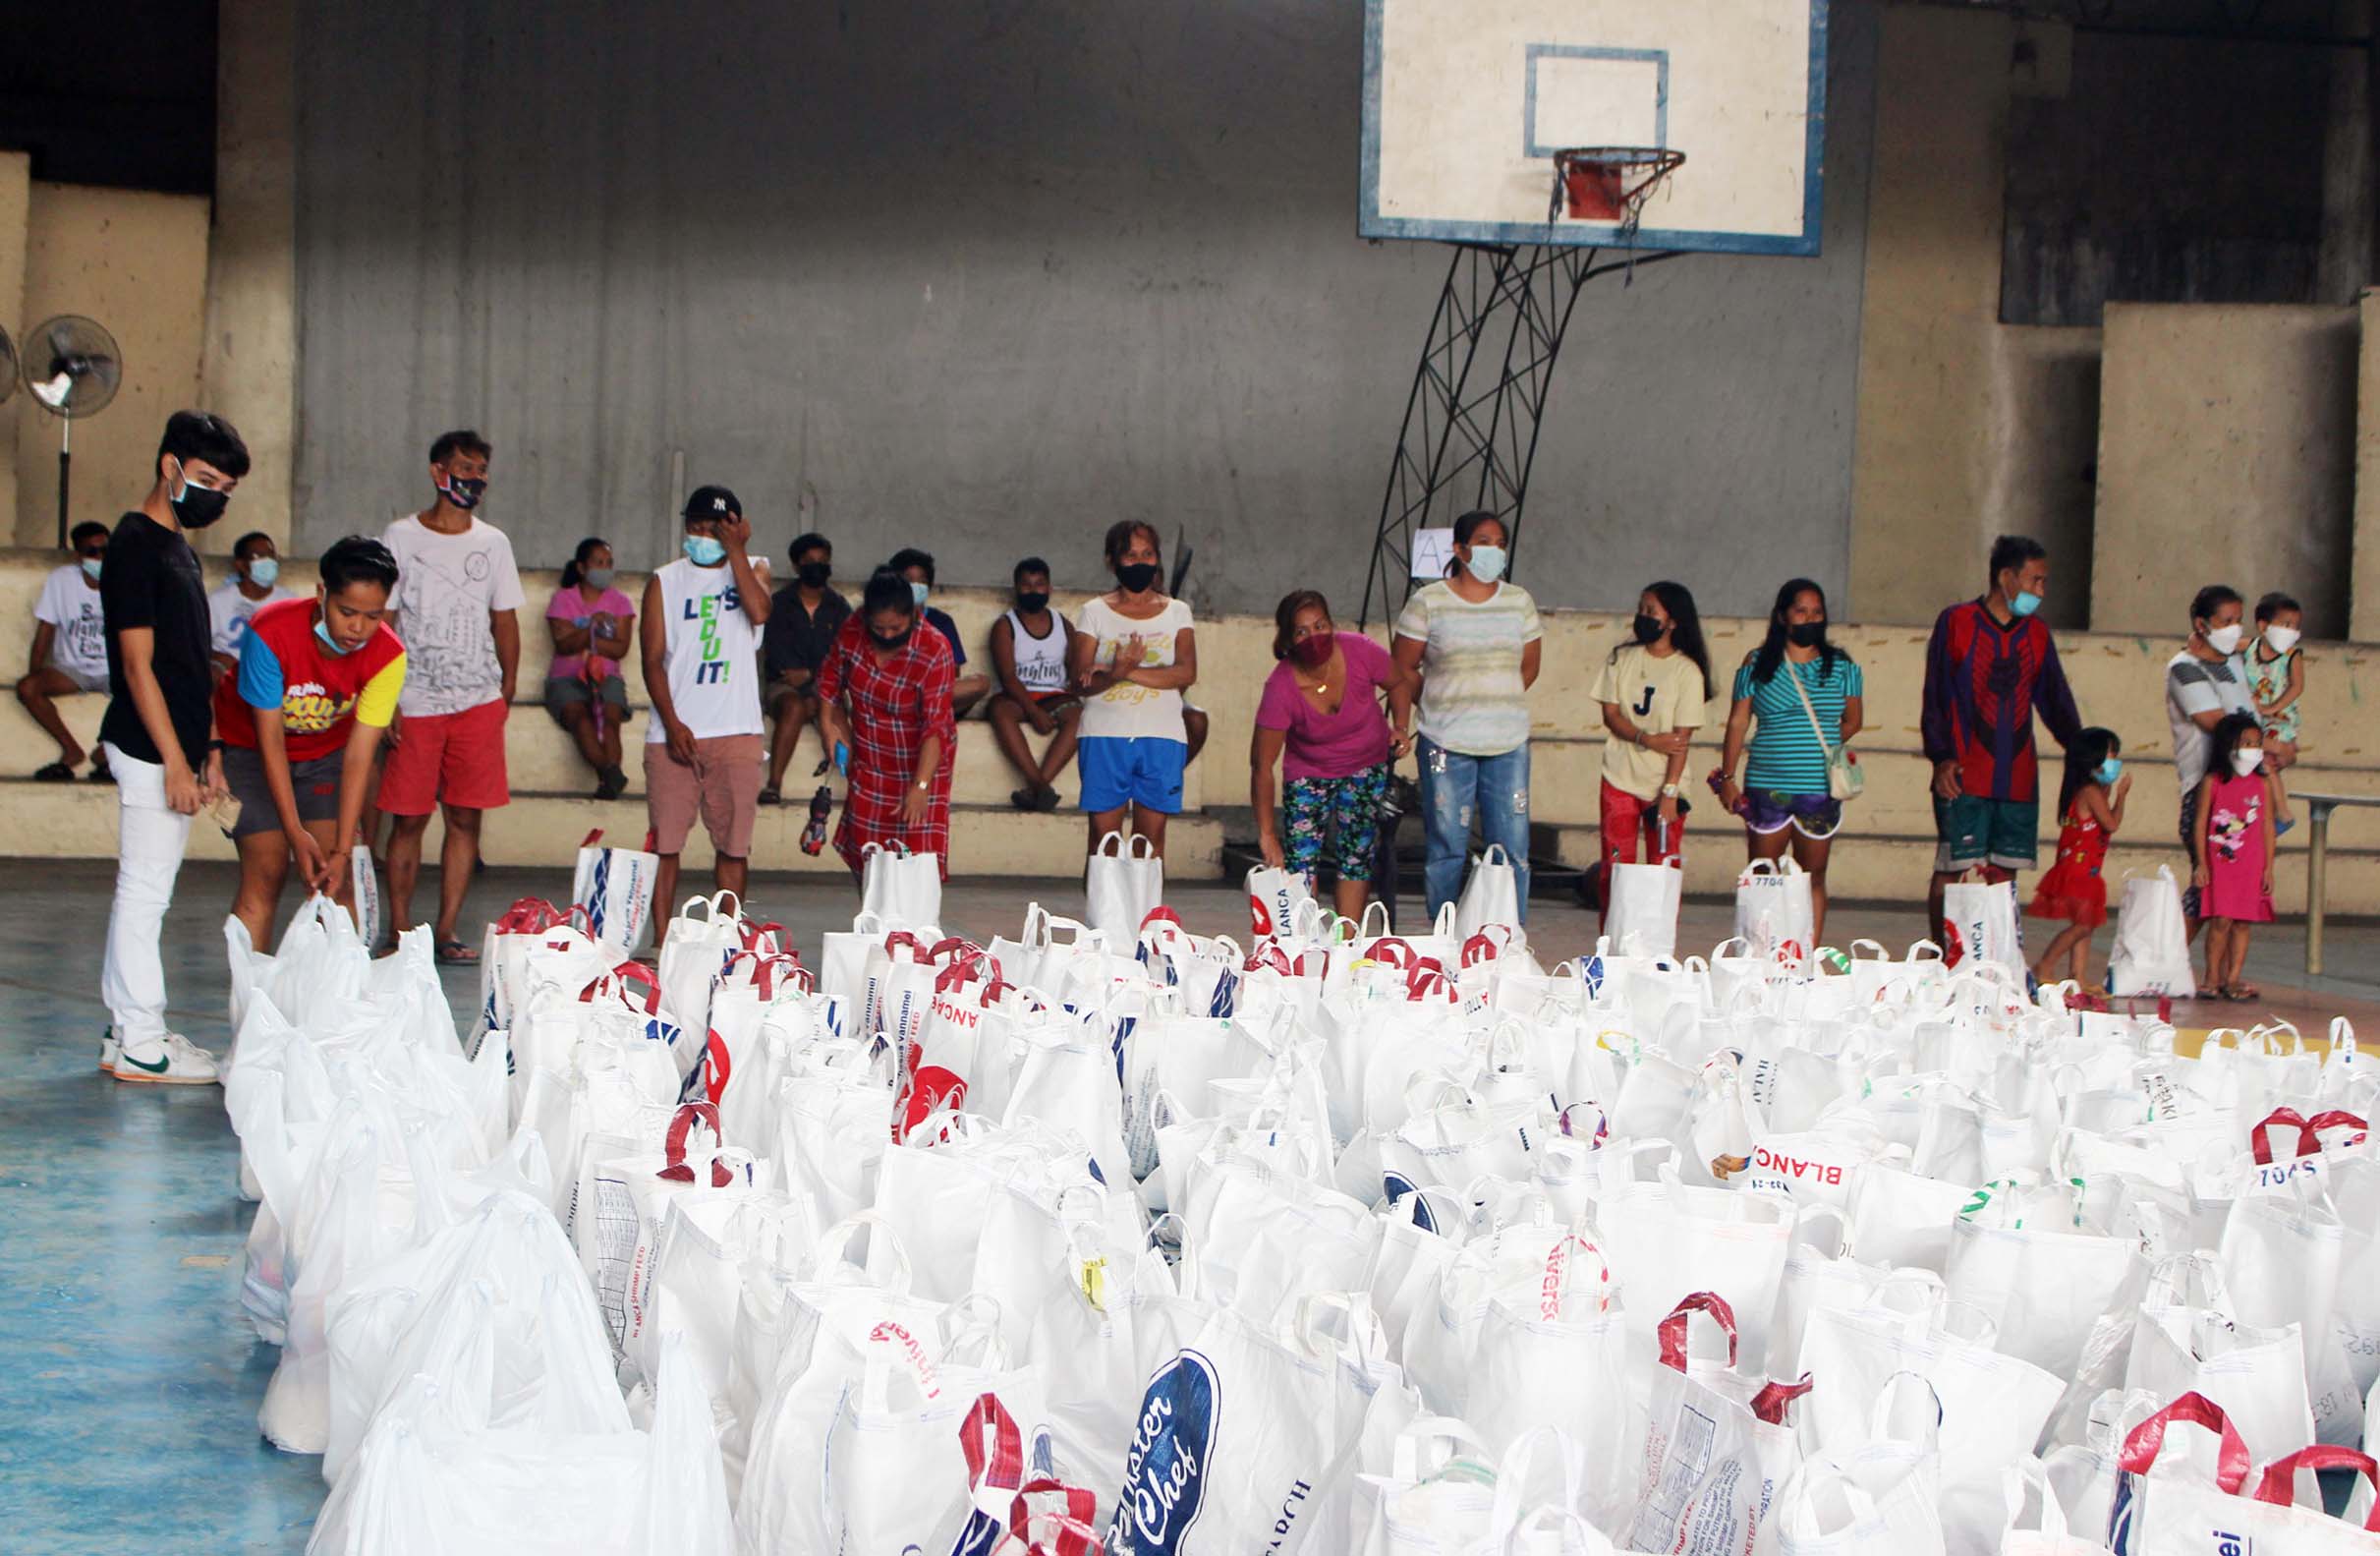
x=1590 y=973
x=1166 y=1470
x=1396 y=1187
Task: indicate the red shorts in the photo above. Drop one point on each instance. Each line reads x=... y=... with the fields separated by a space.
x=454 y=758
x=1626 y=818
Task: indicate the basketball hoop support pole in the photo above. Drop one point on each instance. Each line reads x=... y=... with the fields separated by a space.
x=1469 y=444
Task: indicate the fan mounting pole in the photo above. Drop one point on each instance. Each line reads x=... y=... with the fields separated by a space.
x=66 y=469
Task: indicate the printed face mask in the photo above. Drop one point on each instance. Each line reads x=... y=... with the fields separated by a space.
x=1314 y=651
x=263 y=571
x=2245 y=762
x=463 y=494
x=2224 y=640
x=706 y=550
x=1488 y=562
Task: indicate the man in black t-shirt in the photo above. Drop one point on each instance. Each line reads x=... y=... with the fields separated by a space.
x=803 y=619
x=159 y=717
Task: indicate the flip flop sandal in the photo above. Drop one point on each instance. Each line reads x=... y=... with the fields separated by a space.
x=55 y=773
x=771 y=796
x=454 y=953
x=2242 y=993
x=100 y=772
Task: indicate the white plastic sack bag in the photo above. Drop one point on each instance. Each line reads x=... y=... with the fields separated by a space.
x=1123 y=881
x=615 y=888
x=695 y=948
x=1274 y=897
x=1980 y=927
x=1640 y=908
x=1717 y=1448
x=2152 y=951
x=1774 y=912
x=902 y=889
x=2189 y=1515
x=363 y=884
x=1492 y=895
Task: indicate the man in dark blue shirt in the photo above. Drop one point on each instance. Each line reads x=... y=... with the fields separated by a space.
x=918 y=567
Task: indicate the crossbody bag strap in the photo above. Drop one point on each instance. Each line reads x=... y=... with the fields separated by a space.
x=1803 y=692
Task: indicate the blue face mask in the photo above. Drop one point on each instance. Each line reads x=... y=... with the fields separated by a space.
x=2024 y=604
x=330 y=645
x=263 y=571
x=91 y=566
x=2109 y=771
x=918 y=591
x=1488 y=562
x=705 y=550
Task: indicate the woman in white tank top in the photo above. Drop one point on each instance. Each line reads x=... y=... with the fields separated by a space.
x=1034 y=688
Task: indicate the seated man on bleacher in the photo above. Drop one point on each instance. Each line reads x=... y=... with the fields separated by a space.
x=70 y=652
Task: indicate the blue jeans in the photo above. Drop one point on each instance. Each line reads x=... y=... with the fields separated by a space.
x=1456 y=788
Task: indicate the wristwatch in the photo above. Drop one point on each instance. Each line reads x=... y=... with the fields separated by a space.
x=1669 y=791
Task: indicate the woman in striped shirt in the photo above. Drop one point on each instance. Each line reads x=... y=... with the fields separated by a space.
x=1782 y=798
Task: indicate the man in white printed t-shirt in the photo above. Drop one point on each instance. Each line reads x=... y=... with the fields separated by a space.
x=253 y=584
x=700 y=634
x=457 y=609
x=69 y=651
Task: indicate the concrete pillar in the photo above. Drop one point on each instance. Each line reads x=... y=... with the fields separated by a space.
x=248 y=370
x=2345 y=262
x=2363 y=589
x=16 y=228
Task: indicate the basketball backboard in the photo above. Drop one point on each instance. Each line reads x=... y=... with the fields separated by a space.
x=1466 y=101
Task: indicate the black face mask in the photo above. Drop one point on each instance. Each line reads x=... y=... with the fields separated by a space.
x=1647 y=628
x=1806 y=634
x=197 y=507
x=465 y=494
x=1033 y=605
x=893 y=645
x=815 y=574
x=1137 y=577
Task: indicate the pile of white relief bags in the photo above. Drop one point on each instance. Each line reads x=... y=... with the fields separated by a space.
x=1334 y=1243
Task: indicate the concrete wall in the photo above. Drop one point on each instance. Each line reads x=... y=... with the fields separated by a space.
x=2364 y=548
x=2227 y=452
x=137 y=262
x=987 y=278
x=1967 y=428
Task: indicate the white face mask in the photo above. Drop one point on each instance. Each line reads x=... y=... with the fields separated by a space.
x=2224 y=640
x=2245 y=762
x=2283 y=639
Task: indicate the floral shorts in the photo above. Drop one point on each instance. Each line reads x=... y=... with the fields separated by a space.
x=1346 y=810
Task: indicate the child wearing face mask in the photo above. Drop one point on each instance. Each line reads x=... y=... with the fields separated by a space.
x=2232 y=851
x=2276 y=678
x=2090 y=809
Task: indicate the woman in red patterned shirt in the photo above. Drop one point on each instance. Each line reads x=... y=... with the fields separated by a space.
x=884 y=692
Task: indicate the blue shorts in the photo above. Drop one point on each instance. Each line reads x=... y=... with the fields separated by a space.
x=1146 y=771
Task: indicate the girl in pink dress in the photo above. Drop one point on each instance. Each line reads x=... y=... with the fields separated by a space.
x=2232 y=851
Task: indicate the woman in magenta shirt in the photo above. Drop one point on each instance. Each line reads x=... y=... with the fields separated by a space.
x=1321 y=720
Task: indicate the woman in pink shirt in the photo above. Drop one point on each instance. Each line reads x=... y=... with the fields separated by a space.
x=593 y=625
x=1320 y=721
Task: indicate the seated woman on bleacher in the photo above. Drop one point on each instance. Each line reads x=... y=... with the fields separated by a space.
x=593 y=624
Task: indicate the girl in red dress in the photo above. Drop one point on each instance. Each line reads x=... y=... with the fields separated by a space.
x=884 y=697
x=2090 y=807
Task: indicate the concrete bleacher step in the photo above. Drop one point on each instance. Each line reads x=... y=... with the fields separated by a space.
x=1888 y=867
x=69 y=820
x=541 y=758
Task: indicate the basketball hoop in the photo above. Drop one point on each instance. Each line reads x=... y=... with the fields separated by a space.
x=1609 y=183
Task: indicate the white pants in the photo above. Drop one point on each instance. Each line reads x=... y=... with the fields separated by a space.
x=151 y=838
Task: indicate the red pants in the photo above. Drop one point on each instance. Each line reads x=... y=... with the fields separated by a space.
x=1626 y=819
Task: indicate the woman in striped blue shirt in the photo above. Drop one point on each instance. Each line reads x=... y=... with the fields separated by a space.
x=1782 y=798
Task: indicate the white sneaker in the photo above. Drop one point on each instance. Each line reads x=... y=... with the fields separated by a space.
x=109 y=1048
x=174 y=1061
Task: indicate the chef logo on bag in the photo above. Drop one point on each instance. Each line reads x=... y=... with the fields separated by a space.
x=1396 y=1185
x=1165 y=1470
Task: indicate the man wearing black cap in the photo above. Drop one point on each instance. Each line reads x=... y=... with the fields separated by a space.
x=700 y=634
